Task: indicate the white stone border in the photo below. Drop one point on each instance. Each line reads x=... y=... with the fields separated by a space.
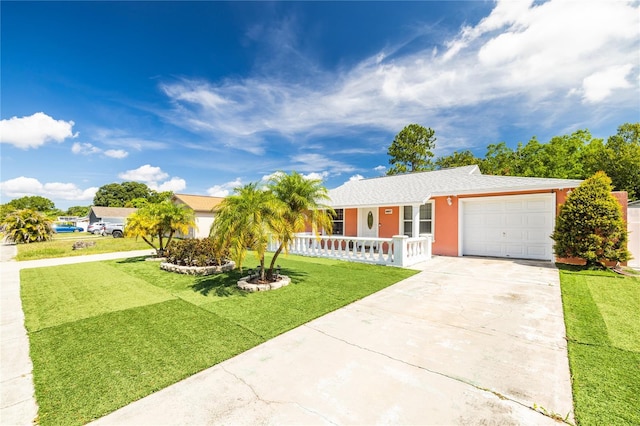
x=198 y=270
x=243 y=284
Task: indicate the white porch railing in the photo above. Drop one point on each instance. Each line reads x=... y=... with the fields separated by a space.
x=399 y=250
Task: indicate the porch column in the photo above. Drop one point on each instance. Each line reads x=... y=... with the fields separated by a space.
x=415 y=209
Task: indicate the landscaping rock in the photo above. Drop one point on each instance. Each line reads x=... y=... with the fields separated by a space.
x=78 y=245
x=244 y=284
x=198 y=270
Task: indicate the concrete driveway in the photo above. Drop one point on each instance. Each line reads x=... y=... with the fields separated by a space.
x=466 y=341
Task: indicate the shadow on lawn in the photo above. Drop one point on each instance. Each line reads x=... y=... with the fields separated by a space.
x=223 y=285
x=133 y=259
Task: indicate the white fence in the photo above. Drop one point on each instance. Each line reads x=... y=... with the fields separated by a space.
x=399 y=250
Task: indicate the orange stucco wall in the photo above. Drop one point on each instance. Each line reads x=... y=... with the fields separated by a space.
x=446 y=227
x=351 y=222
x=389 y=223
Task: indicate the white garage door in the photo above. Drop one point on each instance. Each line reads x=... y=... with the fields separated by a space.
x=517 y=226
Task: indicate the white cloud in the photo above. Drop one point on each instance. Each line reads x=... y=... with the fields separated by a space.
x=116 y=153
x=356 y=177
x=600 y=85
x=90 y=149
x=25 y=186
x=524 y=54
x=85 y=149
x=224 y=189
x=174 y=184
x=313 y=162
x=316 y=175
x=146 y=173
x=153 y=177
x=35 y=130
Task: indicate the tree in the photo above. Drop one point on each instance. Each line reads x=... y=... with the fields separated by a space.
x=118 y=194
x=161 y=220
x=410 y=150
x=564 y=156
x=619 y=158
x=590 y=224
x=457 y=159
x=34 y=202
x=79 y=211
x=27 y=226
x=245 y=220
x=499 y=160
x=303 y=201
x=153 y=197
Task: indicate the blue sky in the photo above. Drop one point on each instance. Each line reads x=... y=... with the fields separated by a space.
x=200 y=97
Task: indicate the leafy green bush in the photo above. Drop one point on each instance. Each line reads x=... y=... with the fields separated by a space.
x=196 y=252
x=590 y=224
x=27 y=226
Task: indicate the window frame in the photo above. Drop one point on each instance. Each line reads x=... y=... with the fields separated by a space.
x=404 y=220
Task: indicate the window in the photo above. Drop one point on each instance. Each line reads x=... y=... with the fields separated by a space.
x=426 y=220
x=338 y=222
x=408 y=221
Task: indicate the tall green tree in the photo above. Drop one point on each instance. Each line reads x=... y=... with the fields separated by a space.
x=499 y=160
x=33 y=202
x=590 y=224
x=304 y=202
x=564 y=155
x=159 y=220
x=27 y=226
x=245 y=220
x=410 y=150
x=119 y=194
x=457 y=159
x=619 y=158
x=79 y=211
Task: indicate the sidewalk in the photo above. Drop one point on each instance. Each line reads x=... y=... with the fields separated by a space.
x=17 y=401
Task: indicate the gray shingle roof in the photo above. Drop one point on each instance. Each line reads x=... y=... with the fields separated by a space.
x=417 y=188
x=122 y=212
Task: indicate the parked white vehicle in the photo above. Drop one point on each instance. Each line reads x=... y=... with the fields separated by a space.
x=96 y=227
x=114 y=229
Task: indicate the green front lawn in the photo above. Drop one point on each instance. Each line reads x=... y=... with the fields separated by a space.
x=105 y=334
x=62 y=246
x=602 y=317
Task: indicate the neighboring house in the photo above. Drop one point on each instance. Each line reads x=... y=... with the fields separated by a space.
x=466 y=212
x=110 y=214
x=633 y=226
x=204 y=208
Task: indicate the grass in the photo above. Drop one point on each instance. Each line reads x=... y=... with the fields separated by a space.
x=602 y=317
x=104 y=334
x=61 y=246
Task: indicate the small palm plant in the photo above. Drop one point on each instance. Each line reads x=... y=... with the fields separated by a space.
x=27 y=226
x=303 y=201
x=245 y=220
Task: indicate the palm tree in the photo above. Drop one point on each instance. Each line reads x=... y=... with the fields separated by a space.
x=246 y=220
x=162 y=220
x=27 y=226
x=304 y=205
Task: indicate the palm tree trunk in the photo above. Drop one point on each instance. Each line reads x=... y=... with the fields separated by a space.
x=273 y=261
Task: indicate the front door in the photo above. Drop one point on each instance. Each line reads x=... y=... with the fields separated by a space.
x=368 y=223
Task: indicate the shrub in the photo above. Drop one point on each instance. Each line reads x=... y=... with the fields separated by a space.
x=590 y=224
x=27 y=226
x=196 y=252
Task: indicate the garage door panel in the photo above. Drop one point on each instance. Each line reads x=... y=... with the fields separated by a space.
x=516 y=226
